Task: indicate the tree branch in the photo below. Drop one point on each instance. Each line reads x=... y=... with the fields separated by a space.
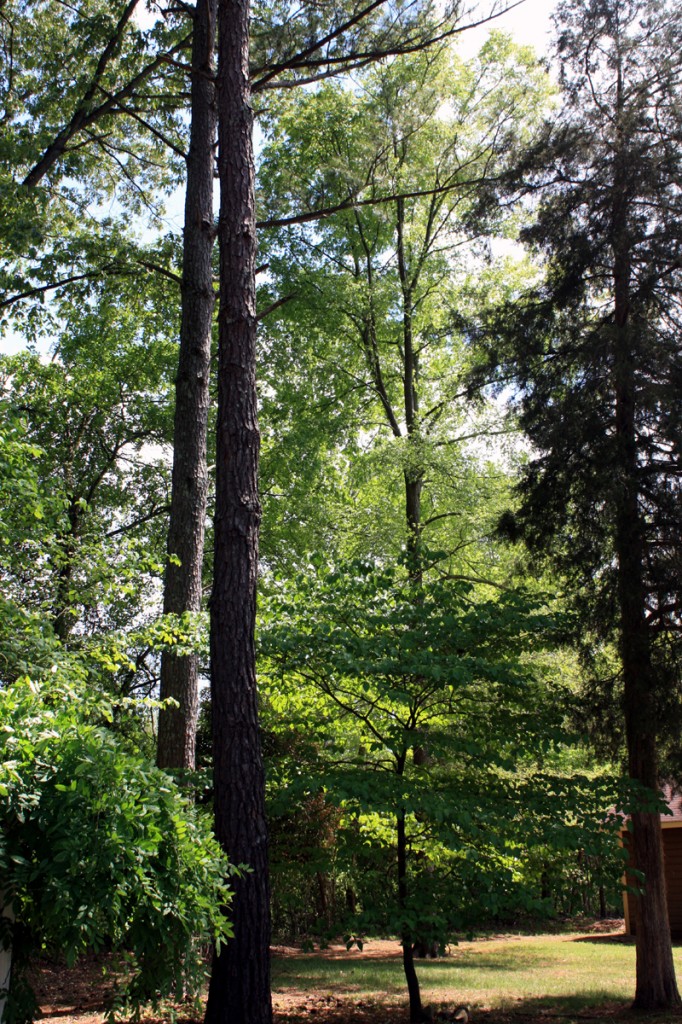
x=171 y=275
x=83 y=119
x=273 y=306
x=162 y=510
x=41 y=289
x=353 y=203
x=131 y=112
x=300 y=57
x=357 y=58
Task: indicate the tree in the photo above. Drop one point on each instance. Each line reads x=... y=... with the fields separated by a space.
x=378 y=286
x=596 y=356
x=437 y=734
x=117 y=131
x=239 y=988
x=381 y=288
x=98 y=848
x=93 y=413
x=183 y=585
x=240 y=979
x=82 y=123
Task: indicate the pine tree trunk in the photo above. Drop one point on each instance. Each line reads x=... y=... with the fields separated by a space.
x=183 y=581
x=239 y=991
x=656 y=987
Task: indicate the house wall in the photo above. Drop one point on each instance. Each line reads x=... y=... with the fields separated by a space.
x=672 y=858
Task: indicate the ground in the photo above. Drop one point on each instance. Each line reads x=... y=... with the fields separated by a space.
x=335 y=986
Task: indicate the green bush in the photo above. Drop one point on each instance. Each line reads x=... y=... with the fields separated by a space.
x=101 y=850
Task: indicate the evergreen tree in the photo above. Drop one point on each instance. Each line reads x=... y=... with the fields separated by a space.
x=596 y=356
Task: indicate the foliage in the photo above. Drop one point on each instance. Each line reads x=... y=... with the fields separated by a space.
x=367 y=349
x=94 y=419
x=32 y=512
x=99 y=849
x=427 y=711
x=595 y=354
x=91 y=115
x=594 y=349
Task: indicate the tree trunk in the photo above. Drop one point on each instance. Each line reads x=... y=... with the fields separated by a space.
x=6 y=928
x=602 y=902
x=183 y=581
x=239 y=991
x=413 y=490
x=406 y=938
x=414 y=472
x=656 y=987
x=413 y=478
x=64 y=617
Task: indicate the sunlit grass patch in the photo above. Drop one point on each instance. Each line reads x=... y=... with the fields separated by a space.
x=566 y=973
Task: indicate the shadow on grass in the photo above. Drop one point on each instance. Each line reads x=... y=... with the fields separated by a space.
x=352 y=1010
x=571 y=1010
x=311 y=971
x=620 y=940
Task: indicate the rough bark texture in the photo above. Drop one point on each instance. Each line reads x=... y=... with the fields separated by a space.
x=656 y=986
x=239 y=991
x=183 y=581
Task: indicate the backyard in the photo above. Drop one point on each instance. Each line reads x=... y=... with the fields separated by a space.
x=567 y=978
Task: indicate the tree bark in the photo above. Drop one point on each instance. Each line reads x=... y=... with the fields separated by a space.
x=417 y=1014
x=414 y=473
x=656 y=987
x=189 y=488
x=239 y=991
x=63 y=616
x=6 y=929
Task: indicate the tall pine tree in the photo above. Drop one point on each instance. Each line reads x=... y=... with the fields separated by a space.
x=596 y=354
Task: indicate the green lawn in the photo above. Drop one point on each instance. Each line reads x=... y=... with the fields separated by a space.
x=564 y=973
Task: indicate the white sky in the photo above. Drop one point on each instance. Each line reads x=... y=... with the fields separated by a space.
x=529 y=23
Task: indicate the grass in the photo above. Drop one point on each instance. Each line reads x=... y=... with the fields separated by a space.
x=554 y=974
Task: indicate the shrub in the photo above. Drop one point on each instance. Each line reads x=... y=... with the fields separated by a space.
x=99 y=849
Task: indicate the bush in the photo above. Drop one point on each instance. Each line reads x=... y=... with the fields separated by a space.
x=101 y=850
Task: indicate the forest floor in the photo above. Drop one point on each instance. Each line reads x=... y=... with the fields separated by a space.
x=584 y=977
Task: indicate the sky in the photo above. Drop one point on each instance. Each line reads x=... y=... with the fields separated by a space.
x=529 y=23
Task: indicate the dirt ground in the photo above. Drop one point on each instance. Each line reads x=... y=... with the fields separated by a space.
x=79 y=996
